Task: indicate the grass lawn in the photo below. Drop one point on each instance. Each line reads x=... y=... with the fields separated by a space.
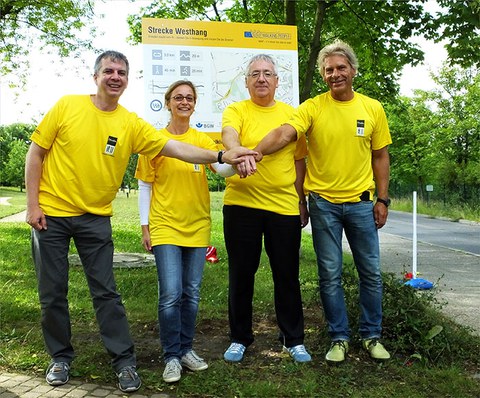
x=432 y=356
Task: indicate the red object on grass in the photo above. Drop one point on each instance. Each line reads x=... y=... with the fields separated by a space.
x=211 y=255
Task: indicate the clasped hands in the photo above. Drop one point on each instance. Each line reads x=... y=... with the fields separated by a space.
x=245 y=162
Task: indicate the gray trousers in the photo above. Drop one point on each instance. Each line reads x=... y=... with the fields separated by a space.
x=93 y=239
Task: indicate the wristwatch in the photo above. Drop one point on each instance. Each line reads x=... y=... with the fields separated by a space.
x=386 y=202
x=219 y=157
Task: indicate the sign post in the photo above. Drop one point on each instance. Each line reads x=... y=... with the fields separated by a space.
x=428 y=188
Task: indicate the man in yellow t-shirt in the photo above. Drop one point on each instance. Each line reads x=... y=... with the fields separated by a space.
x=269 y=205
x=348 y=159
x=74 y=168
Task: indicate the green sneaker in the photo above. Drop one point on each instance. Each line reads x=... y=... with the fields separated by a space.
x=375 y=349
x=337 y=352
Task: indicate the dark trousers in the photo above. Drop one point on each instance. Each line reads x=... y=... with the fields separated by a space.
x=243 y=230
x=93 y=239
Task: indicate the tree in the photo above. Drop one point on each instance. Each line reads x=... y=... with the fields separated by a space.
x=457 y=136
x=412 y=155
x=15 y=165
x=436 y=137
x=129 y=181
x=379 y=32
x=459 y=27
x=54 y=24
x=8 y=135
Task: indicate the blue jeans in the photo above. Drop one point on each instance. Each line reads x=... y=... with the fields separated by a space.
x=180 y=271
x=328 y=222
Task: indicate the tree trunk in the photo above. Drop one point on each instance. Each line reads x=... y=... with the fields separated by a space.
x=315 y=46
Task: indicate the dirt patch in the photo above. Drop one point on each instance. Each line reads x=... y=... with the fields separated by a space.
x=212 y=339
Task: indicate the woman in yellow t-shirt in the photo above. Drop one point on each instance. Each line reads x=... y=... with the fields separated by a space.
x=174 y=204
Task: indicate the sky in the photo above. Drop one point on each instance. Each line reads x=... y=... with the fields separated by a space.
x=49 y=79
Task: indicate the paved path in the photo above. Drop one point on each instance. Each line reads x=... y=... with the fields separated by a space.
x=19 y=217
x=15 y=385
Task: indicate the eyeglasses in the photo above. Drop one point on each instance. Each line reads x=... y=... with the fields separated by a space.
x=267 y=74
x=180 y=98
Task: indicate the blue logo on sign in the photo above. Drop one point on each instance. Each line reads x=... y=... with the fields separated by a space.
x=156 y=105
x=199 y=125
x=247 y=34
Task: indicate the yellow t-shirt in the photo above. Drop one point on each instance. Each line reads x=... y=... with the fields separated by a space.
x=341 y=137
x=272 y=186
x=88 y=153
x=180 y=204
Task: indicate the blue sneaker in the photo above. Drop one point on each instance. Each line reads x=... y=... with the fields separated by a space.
x=298 y=353
x=234 y=353
x=58 y=373
x=128 y=379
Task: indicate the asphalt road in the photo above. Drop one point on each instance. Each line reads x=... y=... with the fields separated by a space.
x=464 y=236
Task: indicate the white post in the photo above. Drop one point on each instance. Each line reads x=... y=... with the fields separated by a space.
x=414 y=264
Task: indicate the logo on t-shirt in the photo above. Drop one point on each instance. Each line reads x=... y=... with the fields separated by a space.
x=110 y=147
x=360 y=128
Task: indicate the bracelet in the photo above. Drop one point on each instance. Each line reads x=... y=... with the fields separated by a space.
x=219 y=157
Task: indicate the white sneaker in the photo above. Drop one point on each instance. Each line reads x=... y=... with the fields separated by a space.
x=193 y=362
x=173 y=371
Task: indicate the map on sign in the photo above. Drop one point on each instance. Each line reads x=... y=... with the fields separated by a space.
x=228 y=79
x=219 y=77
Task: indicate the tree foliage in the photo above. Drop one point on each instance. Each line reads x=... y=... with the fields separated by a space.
x=14 y=141
x=458 y=132
x=379 y=31
x=49 y=24
x=15 y=164
x=436 y=137
x=459 y=26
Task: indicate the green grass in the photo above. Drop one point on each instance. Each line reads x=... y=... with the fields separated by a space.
x=423 y=364
x=438 y=209
x=16 y=201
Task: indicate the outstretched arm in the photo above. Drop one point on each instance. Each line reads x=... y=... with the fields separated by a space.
x=193 y=154
x=275 y=140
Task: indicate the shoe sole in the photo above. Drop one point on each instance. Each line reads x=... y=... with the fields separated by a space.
x=55 y=383
x=335 y=363
x=379 y=359
x=172 y=380
x=233 y=360
x=194 y=369
x=129 y=389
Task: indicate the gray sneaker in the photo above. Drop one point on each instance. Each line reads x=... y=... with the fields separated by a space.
x=173 y=371
x=193 y=362
x=58 y=373
x=128 y=379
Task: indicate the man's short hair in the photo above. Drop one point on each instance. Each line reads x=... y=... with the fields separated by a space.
x=113 y=56
x=338 y=47
x=262 y=57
